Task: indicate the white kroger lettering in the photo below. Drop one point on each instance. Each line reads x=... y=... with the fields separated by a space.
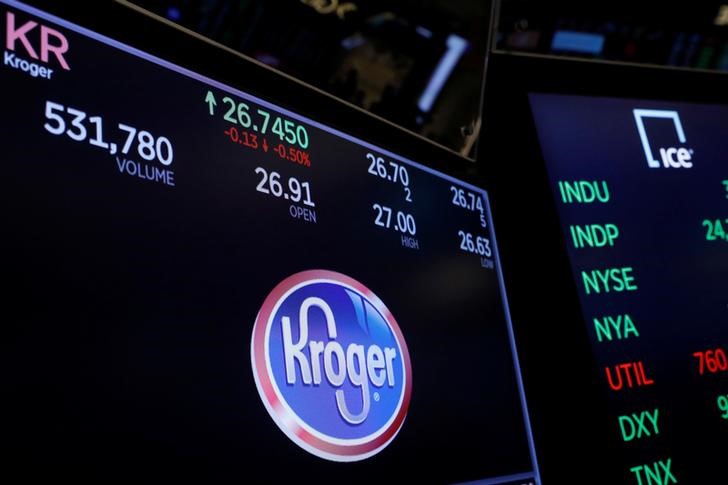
x=361 y=365
x=35 y=70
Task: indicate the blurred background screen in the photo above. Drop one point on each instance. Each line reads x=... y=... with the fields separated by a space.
x=417 y=63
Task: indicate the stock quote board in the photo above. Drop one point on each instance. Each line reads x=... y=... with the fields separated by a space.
x=203 y=284
x=641 y=187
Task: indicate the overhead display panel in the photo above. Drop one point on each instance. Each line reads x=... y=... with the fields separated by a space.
x=641 y=187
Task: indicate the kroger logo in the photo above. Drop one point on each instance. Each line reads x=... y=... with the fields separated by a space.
x=331 y=365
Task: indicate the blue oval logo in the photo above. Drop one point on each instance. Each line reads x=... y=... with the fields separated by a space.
x=331 y=365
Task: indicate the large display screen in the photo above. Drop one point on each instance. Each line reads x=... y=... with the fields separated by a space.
x=200 y=284
x=641 y=188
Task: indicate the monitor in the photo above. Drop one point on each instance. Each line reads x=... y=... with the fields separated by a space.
x=215 y=273
x=630 y=254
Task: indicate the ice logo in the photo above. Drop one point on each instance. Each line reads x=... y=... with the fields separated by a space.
x=671 y=157
x=331 y=365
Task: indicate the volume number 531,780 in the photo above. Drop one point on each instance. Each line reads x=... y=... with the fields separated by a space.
x=78 y=126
